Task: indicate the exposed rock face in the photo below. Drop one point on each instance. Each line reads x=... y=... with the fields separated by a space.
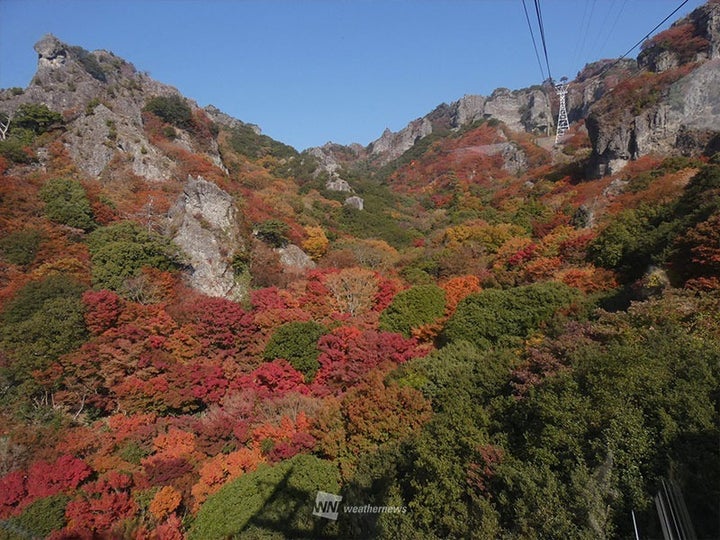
x=327 y=157
x=294 y=259
x=355 y=202
x=687 y=117
x=101 y=97
x=338 y=184
x=521 y=110
x=469 y=109
x=102 y=134
x=51 y=52
x=392 y=145
x=503 y=105
x=204 y=224
x=703 y=26
x=219 y=117
x=685 y=121
x=331 y=158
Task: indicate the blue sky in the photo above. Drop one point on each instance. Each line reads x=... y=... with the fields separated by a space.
x=311 y=71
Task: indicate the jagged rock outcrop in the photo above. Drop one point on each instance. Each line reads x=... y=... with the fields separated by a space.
x=593 y=82
x=692 y=39
x=331 y=159
x=101 y=97
x=100 y=134
x=521 y=110
x=338 y=184
x=327 y=157
x=392 y=145
x=504 y=105
x=204 y=224
x=682 y=117
x=223 y=119
x=686 y=120
x=469 y=108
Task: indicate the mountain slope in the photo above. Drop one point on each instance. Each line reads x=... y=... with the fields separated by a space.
x=460 y=323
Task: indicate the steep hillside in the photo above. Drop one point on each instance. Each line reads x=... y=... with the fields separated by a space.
x=671 y=105
x=478 y=333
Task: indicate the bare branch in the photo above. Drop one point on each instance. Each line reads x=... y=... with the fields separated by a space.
x=4 y=126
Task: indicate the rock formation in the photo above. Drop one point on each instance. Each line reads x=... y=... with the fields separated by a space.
x=204 y=224
x=683 y=117
x=101 y=97
x=292 y=258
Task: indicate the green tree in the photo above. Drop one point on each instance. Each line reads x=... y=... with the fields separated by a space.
x=15 y=147
x=273 y=232
x=591 y=443
x=413 y=308
x=36 y=117
x=30 y=120
x=296 y=342
x=20 y=247
x=120 y=250
x=502 y=317
x=67 y=203
x=38 y=520
x=171 y=109
x=41 y=323
x=270 y=502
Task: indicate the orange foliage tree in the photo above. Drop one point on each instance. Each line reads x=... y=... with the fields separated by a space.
x=165 y=502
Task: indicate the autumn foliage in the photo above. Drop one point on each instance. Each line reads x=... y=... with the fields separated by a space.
x=452 y=347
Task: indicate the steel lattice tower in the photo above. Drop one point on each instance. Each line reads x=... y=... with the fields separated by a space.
x=562 y=123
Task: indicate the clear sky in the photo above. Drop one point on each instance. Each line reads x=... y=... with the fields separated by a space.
x=311 y=71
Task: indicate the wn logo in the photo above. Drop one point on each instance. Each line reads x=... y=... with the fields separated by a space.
x=327 y=505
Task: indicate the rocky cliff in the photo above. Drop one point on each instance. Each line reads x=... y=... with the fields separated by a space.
x=671 y=104
x=521 y=110
x=204 y=224
x=101 y=98
x=531 y=110
x=677 y=113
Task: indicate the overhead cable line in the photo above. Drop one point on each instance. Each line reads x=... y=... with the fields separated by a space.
x=584 y=29
x=614 y=24
x=542 y=36
x=658 y=25
x=532 y=35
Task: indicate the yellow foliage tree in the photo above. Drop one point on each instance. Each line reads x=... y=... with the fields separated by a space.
x=316 y=244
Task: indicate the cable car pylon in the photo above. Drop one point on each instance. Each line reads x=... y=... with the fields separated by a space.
x=562 y=122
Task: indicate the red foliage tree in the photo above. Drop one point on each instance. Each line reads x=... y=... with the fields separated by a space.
x=42 y=479
x=66 y=473
x=103 y=504
x=387 y=289
x=348 y=354
x=274 y=378
x=12 y=492
x=221 y=324
x=269 y=298
x=171 y=529
x=102 y=310
x=698 y=256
